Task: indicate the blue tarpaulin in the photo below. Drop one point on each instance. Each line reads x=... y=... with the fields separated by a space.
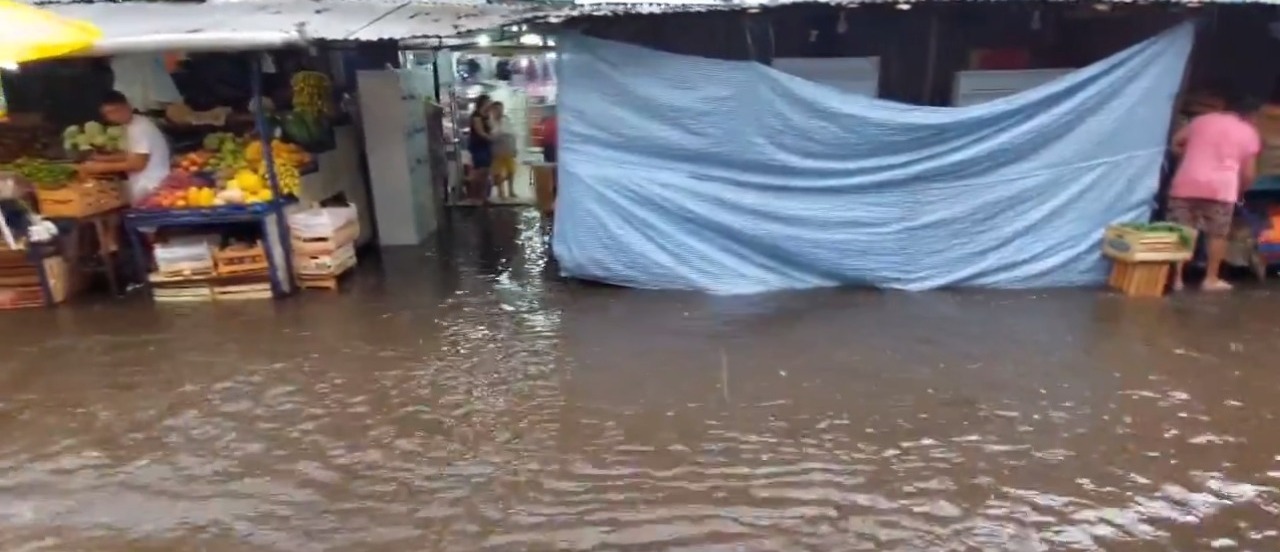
x=681 y=172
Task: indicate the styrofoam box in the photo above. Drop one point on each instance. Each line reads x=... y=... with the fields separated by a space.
x=194 y=250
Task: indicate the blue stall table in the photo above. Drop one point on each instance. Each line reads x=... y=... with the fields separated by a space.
x=265 y=215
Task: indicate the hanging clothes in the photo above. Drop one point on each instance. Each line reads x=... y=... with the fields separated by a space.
x=145 y=80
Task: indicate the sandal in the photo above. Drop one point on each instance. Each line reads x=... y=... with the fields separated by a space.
x=1215 y=285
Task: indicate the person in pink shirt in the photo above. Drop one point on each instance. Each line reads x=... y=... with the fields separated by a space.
x=1219 y=152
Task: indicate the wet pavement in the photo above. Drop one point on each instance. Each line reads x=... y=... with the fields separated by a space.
x=464 y=398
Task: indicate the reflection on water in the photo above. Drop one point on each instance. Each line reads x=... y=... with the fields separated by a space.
x=462 y=398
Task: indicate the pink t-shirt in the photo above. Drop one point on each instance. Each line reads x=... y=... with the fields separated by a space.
x=1218 y=145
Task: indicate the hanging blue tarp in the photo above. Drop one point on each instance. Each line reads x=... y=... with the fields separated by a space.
x=681 y=172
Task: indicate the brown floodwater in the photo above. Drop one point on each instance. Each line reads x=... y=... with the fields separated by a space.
x=462 y=398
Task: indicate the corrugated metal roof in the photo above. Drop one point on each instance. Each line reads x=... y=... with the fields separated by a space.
x=590 y=8
x=201 y=22
x=418 y=20
x=320 y=19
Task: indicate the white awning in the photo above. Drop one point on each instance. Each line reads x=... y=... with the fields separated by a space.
x=203 y=41
x=130 y=27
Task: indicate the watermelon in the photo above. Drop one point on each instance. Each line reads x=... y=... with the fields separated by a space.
x=310 y=131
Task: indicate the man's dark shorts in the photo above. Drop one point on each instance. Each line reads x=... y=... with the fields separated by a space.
x=1206 y=215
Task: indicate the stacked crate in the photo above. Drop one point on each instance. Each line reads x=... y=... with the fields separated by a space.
x=199 y=269
x=20 y=279
x=184 y=269
x=242 y=272
x=1143 y=258
x=324 y=245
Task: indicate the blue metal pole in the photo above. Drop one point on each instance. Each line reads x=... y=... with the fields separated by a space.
x=277 y=199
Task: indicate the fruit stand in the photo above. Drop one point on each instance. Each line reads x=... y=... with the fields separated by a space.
x=228 y=170
x=236 y=185
x=231 y=180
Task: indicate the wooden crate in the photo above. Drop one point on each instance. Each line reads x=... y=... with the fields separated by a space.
x=181 y=288
x=241 y=258
x=307 y=246
x=1140 y=279
x=188 y=294
x=326 y=281
x=1131 y=245
x=325 y=265
x=80 y=199
x=331 y=282
x=183 y=271
x=544 y=187
x=20 y=285
x=21 y=298
x=210 y=286
x=240 y=292
x=16 y=270
x=13 y=257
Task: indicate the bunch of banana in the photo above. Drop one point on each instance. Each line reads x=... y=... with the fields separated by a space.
x=311 y=92
x=288 y=176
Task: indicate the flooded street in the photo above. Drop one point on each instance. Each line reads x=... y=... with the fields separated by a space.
x=466 y=399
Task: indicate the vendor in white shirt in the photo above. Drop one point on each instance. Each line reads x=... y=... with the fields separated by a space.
x=146 y=157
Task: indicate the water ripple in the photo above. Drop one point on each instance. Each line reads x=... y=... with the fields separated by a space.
x=467 y=400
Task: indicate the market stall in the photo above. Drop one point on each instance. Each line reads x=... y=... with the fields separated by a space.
x=31 y=276
x=238 y=214
x=229 y=200
x=215 y=228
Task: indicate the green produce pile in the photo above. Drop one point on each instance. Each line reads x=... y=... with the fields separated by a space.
x=93 y=136
x=44 y=174
x=1186 y=236
x=228 y=152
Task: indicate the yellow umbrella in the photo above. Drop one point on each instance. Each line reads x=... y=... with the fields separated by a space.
x=28 y=33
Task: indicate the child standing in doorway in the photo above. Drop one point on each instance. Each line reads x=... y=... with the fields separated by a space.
x=504 y=151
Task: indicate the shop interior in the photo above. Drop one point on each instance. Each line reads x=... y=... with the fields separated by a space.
x=512 y=65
